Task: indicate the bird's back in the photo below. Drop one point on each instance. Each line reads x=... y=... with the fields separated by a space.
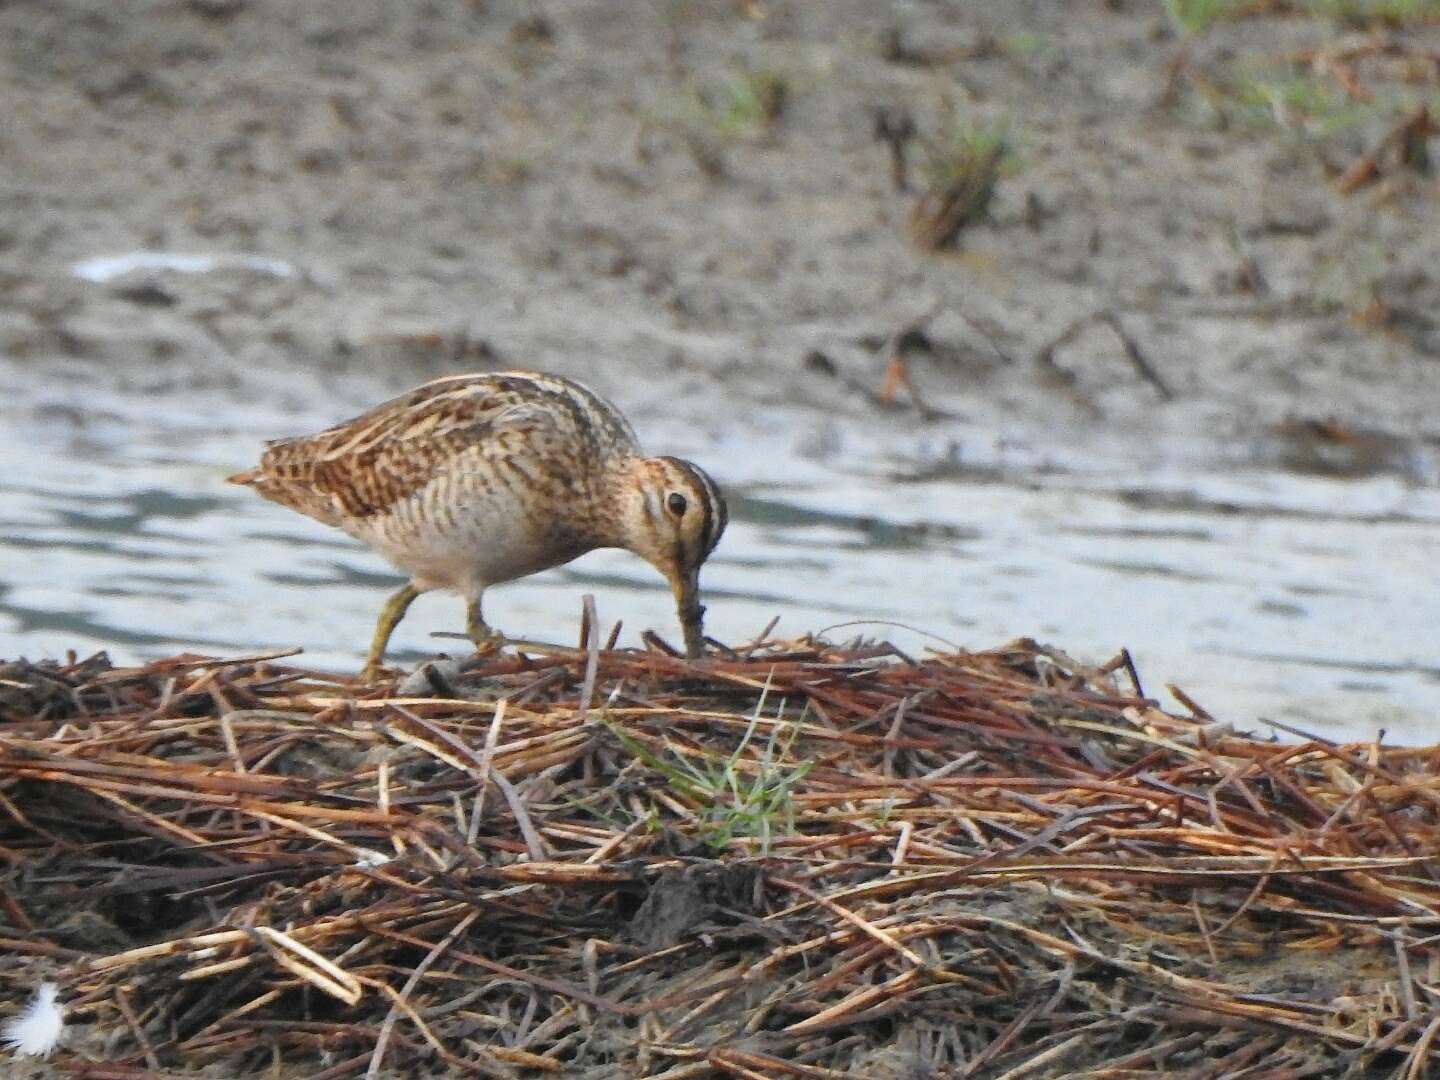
x=515 y=420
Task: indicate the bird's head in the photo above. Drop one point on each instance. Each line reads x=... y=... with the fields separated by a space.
x=673 y=517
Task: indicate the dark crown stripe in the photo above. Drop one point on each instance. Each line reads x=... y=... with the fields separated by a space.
x=714 y=510
x=724 y=514
x=712 y=504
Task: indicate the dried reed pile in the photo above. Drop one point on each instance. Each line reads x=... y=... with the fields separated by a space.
x=793 y=860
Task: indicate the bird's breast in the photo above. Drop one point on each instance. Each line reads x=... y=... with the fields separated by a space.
x=472 y=528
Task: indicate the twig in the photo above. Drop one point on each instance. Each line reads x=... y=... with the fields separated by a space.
x=592 y=660
x=377 y=1057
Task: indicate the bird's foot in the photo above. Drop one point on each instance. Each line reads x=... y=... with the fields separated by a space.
x=488 y=643
x=373 y=672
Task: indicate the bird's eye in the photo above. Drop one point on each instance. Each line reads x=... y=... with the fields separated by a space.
x=677 y=504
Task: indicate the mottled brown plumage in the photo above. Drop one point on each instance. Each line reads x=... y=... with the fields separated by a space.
x=471 y=480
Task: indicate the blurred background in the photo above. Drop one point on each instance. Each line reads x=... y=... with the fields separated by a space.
x=1107 y=322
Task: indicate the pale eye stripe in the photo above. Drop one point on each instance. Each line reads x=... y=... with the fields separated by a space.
x=712 y=504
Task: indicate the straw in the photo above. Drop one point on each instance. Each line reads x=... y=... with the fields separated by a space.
x=793 y=859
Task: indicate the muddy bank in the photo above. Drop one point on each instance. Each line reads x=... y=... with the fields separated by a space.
x=593 y=189
x=793 y=859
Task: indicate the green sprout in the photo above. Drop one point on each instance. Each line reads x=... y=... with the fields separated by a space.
x=1367 y=13
x=734 y=797
x=1192 y=16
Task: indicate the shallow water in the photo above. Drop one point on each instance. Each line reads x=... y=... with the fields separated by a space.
x=1258 y=592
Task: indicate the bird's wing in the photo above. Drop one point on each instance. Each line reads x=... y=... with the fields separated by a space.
x=365 y=465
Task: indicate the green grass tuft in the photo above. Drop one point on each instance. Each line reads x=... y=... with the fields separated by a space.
x=967 y=153
x=1300 y=101
x=1364 y=14
x=1193 y=16
x=747 y=102
x=734 y=796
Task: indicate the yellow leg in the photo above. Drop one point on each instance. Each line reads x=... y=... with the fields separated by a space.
x=485 y=639
x=390 y=616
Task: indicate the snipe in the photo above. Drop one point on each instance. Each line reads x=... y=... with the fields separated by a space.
x=471 y=480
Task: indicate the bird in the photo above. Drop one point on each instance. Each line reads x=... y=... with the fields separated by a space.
x=471 y=480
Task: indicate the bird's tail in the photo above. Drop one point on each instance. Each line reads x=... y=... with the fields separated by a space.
x=246 y=478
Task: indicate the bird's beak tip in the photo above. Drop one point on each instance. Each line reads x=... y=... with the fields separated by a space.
x=686 y=587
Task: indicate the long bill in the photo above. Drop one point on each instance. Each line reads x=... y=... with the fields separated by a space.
x=685 y=585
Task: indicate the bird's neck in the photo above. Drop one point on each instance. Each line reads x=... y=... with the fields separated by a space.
x=623 y=518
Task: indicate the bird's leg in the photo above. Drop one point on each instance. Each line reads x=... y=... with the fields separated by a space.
x=486 y=640
x=390 y=616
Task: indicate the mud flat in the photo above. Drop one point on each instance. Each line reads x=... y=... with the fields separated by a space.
x=791 y=859
x=693 y=206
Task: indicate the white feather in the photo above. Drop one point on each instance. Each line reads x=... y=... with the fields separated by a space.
x=35 y=1030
